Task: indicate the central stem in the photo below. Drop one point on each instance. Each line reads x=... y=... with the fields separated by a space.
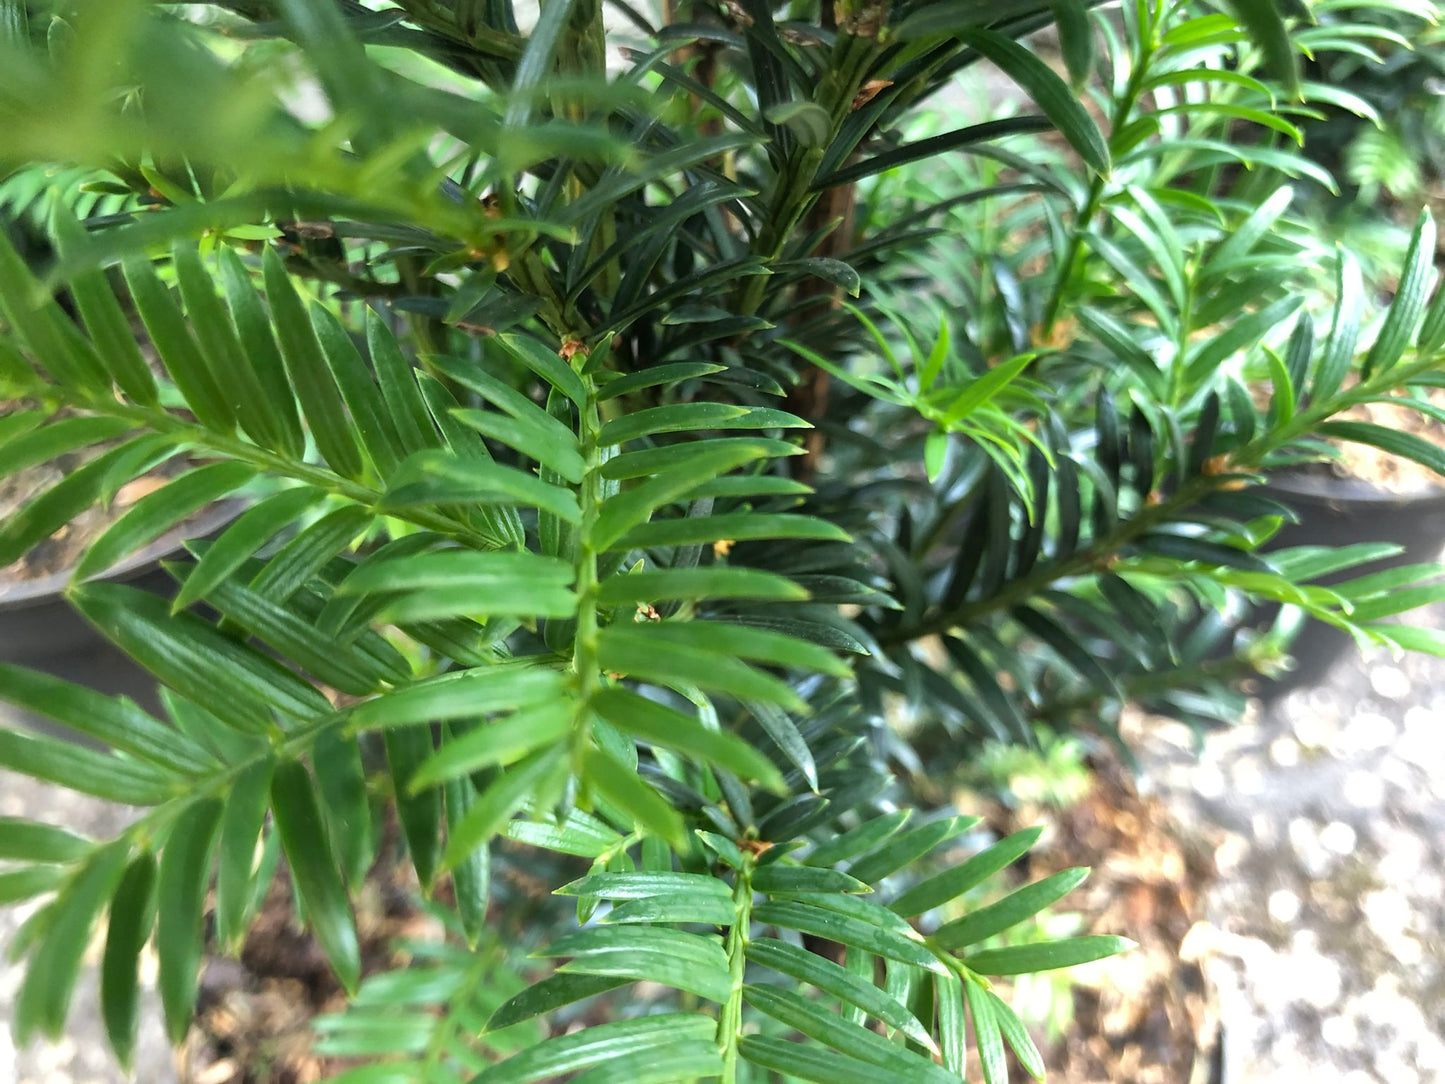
x=1087 y=559
x=794 y=191
x=584 y=646
x=730 y=1020
x=1098 y=187
x=1251 y=458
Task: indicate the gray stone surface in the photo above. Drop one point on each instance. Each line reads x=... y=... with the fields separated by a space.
x=81 y=1056
x=1325 y=935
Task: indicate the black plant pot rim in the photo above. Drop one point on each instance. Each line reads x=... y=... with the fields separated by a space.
x=22 y=594
x=1320 y=489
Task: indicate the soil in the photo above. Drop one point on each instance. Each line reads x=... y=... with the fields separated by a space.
x=60 y=552
x=253 y=1022
x=253 y=1014
x=63 y=549
x=1145 y=1016
x=1392 y=473
x=1362 y=463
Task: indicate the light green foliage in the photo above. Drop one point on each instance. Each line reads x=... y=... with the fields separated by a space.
x=586 y=516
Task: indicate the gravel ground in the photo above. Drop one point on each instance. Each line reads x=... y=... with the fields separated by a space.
x=1324 y=936
x=81 y=1056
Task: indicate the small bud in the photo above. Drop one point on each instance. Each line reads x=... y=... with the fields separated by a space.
x=314 y=231
x=1060 y=337
x=737 y=13
x=869 y=91
x=860 y=18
